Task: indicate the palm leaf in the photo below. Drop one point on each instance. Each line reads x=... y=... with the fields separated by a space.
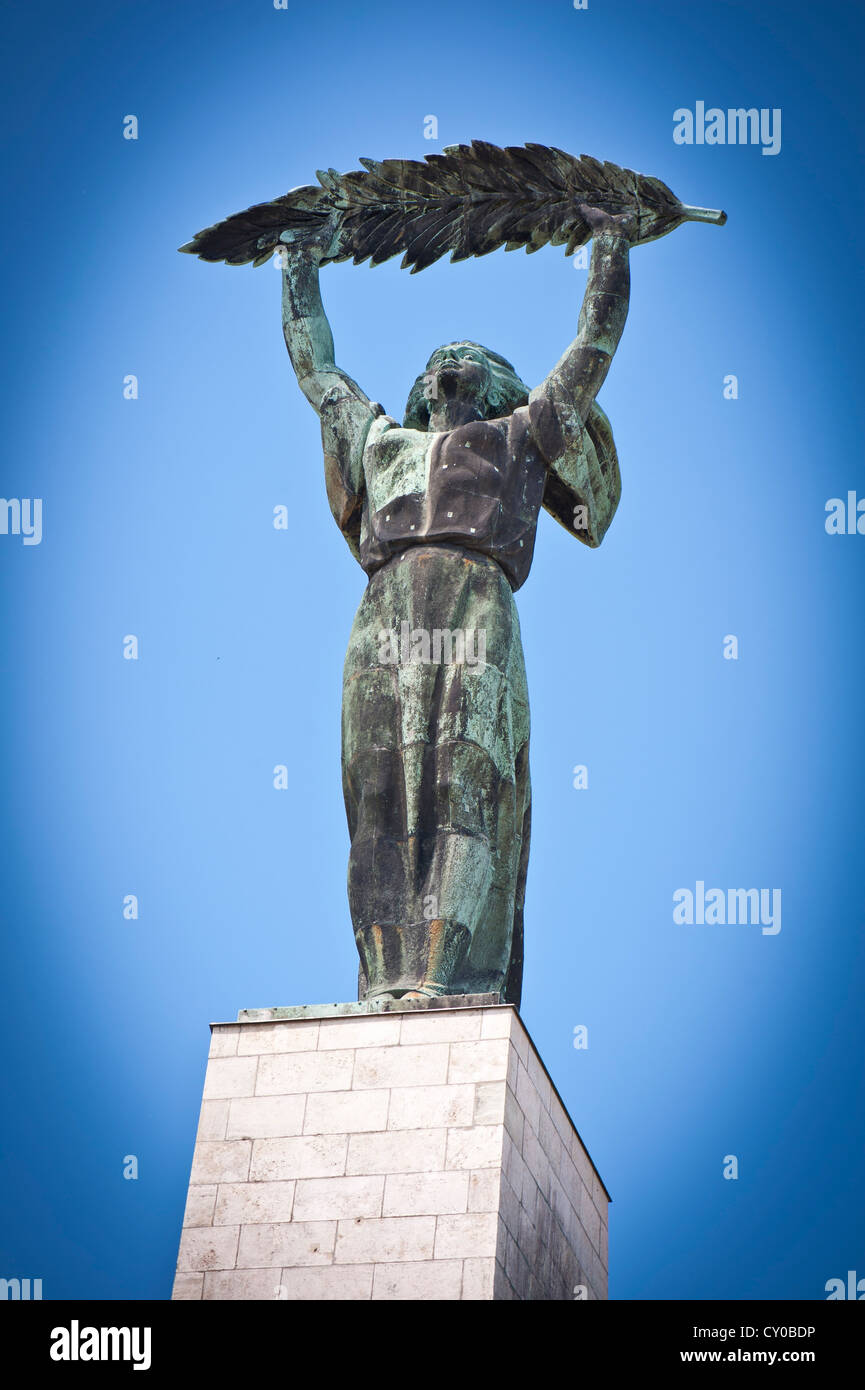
x=469 y=200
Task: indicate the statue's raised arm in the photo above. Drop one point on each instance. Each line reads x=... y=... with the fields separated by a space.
x=580 y=372
x=345 y=411
x=573 y=433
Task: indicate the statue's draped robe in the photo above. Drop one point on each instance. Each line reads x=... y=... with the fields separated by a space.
x=435 y=749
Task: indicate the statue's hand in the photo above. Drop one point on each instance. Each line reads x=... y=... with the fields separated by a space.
x=316 y=241
x=622 y=223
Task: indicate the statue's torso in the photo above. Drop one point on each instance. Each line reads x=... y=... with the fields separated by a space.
x=480 y=486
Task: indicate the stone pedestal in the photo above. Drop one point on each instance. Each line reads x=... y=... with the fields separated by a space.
x=411 y=1151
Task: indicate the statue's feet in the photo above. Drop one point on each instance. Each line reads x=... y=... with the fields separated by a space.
x=422 y=991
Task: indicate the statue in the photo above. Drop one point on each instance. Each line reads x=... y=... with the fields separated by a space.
x=440 y=509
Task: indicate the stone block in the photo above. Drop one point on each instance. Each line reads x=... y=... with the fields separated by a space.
x=221 y=1161
x=200 y=1202
x=509 y=1207
x=478 y=1279
x=477 y=1147
x=484 y=1060
x=434 y=1194
x=318 y=1199
x=424 y=1065
x=528 y=1099
x=208 y=1247
x=253 y=1203
x=341 y=1033
x=419 y=1281
x=484 y=1189
x=259 y=1039
x=514 y=1119
x=242 y=1285
x=397 y=1151
x=293 y=1243
x=462 y=1025
x=230 y=1076
x=312 y=1156
x=497 y=1023
x=213 y=1119
x=461 y=1237
x=223 y=1040
x=430 y=1107
x=265 y=1117
x=489 y=1103
x=385 y=1240
x=330 y=1283
x=539 y=1078
x=346 y=1112
x=295 y=1073
x=187 y=1286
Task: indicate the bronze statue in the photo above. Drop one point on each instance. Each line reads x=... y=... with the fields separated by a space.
x=440 y=510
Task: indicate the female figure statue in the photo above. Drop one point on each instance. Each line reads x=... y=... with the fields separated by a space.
x=441 y=511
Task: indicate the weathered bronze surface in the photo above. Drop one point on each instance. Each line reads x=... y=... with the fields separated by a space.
x=469 y=200
x=440 y=509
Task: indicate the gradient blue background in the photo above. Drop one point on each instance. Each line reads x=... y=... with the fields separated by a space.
x=155 y=777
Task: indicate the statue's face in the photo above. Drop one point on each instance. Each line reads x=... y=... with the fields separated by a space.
x=458 y=371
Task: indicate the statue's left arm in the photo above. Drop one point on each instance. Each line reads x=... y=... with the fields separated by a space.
x=572 y=432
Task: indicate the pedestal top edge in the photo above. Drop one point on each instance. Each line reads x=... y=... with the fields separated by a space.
x=363 y=1008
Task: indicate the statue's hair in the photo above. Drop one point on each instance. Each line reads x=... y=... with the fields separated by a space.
x=505 y=394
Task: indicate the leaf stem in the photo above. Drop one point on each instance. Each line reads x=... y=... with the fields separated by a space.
x=713 y=215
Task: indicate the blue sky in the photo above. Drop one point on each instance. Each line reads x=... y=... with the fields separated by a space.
x=154 y=776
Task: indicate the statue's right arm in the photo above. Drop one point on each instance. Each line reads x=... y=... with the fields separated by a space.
x=345 y=411
x=307 y=332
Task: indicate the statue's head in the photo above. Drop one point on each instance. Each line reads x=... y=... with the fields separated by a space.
x=467 y=372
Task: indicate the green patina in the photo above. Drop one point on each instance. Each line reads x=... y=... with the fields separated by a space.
x=441 y=511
